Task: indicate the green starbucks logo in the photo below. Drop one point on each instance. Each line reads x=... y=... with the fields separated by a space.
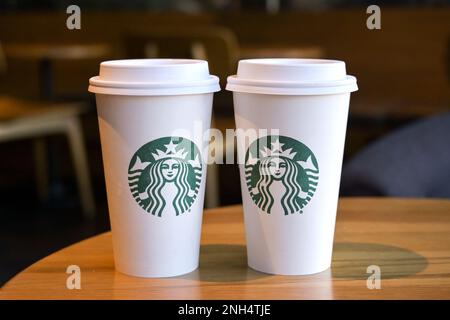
x=281 y=172
x=165 y=172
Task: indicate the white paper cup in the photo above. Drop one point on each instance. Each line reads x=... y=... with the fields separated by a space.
x=290 y=180
x=153 y=161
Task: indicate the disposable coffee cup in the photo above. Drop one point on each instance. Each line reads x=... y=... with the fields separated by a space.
x=291 y=118
x=153 y=160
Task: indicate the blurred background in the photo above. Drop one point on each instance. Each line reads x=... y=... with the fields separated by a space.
x=52 y=190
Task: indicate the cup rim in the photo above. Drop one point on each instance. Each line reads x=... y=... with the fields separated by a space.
x=346 y=85
x=290 y=62
x=154 y=63
x=98 y=86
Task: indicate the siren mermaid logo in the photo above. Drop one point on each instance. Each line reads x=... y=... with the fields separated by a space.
x=282 y=177
x=165 y=172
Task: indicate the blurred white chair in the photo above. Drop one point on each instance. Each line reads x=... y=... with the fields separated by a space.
x=22 y=118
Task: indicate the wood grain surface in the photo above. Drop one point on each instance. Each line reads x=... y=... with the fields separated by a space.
x=409 y=239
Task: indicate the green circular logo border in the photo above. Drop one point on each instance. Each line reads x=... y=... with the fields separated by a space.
x=165 y=160
x=286 y=159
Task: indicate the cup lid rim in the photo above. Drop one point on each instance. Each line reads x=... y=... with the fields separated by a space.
x=289 y=62
x=153 y=63
x=236 y=84
x=97 y=81
x=209 y=85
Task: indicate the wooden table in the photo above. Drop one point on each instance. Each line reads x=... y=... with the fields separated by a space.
x=408 y=239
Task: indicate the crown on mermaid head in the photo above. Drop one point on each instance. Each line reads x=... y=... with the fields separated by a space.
x=170 y=152
x=276 y=150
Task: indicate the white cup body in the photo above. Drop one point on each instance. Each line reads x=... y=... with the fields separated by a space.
x=290 y=168
x=295 y=243
x=153 y=114
x=145 y=244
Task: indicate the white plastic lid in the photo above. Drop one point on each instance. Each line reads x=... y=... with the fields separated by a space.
x=148 y=77
x=291 y=77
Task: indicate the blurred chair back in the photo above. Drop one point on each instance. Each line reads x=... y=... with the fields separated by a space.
x=216 y=44
x=448 y=59
x=410 y=162
x=2 y=60
x=22 y=118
